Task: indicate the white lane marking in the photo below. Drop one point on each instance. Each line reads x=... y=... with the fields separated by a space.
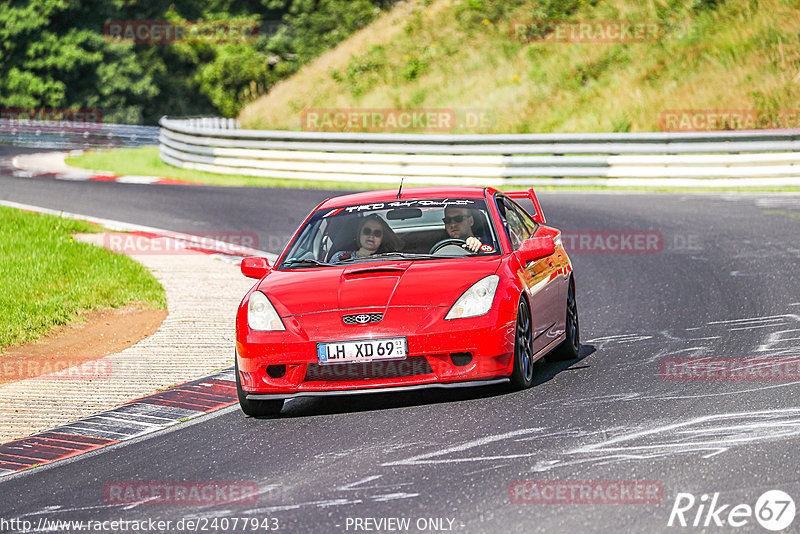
x=350 y=486
x=217 y=512
x=753 y=327
x=710 y=438
x=394 y=496
x=572 y=433
x=319 y=504
x=621 y=338
x=713 y=453
x=774 y=338
x=741 y=274
x=492 y=468
x=757 y=319
x=426 y=458
x=381 y=449
x=606 y=399
x=60 y=510
x=133 y=505
x=590 y=401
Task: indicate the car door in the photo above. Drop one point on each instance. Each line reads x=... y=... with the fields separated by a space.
x=538 y=276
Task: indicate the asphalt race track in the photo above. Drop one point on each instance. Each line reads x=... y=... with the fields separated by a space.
x=723 y=283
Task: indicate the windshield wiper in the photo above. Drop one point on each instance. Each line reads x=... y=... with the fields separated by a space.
x=407 y=255
x=308 y=262
x=389 y=255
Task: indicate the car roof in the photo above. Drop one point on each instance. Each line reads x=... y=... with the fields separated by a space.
x=387 y=195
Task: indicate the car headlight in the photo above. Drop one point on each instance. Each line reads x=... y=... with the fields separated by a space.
x=261 y=314
x=476 y=300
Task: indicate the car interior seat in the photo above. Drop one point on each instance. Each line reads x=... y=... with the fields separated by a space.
x=344 y=238
x=480 y=226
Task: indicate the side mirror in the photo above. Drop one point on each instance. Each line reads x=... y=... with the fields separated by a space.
x=255 y=267
x=536 y=248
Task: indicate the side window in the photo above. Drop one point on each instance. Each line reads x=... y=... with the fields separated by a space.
x=527 y=222
x=526 y=204
x=517 y=232
x=518 y=224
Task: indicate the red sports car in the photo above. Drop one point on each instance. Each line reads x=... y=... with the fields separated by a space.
x=406 y=289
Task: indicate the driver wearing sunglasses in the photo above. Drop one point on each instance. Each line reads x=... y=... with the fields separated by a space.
x=374 y=236
x=459 y=222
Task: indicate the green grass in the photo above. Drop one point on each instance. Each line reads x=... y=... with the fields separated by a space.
x=48 y=279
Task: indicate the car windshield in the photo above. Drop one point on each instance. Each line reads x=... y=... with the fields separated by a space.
x=404 y=229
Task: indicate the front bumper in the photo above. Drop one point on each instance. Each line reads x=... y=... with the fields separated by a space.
x=432 y=344
x=393 y=389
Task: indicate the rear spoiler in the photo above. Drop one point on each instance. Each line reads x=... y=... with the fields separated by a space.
x=539 y=215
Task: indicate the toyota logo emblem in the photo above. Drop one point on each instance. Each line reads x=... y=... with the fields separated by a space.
x=362 y=319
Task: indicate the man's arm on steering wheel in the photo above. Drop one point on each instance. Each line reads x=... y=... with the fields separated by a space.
x=473 y=244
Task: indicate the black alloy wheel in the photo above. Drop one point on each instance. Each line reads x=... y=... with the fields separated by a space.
x=570 y=347
x=522 y=375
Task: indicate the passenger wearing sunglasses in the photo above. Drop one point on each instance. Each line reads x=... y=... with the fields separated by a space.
x=459 y=222
x=374 y=236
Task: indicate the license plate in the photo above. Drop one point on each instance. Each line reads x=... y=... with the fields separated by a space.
x=362 y=350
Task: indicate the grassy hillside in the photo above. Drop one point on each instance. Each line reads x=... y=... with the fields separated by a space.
x=462 y=55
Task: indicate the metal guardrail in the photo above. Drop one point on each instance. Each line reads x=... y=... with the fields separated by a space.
x=75 y=135
x=220 y=146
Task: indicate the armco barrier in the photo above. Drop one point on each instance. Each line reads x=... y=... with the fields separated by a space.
x=68 y=136
x=745 y=158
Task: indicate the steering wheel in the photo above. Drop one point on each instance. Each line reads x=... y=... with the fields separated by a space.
x=444 y=242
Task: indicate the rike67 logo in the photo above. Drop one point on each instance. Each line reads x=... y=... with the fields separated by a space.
x=774 y=510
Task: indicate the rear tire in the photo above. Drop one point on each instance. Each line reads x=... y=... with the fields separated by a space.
x=522 y=375
x=255 y=408
x=570 y=347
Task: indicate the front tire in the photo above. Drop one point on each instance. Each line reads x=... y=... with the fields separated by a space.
x=255 y=408
x=522 y=375
x=570 y=347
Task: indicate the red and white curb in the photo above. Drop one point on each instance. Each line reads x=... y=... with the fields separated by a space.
x=20 y=171
x=136 y=418
x=144 y=415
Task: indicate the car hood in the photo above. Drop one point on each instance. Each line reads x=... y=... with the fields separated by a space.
x=374 y=284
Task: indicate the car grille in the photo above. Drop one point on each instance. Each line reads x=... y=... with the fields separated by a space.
x=415 y=365
x=362 y=318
